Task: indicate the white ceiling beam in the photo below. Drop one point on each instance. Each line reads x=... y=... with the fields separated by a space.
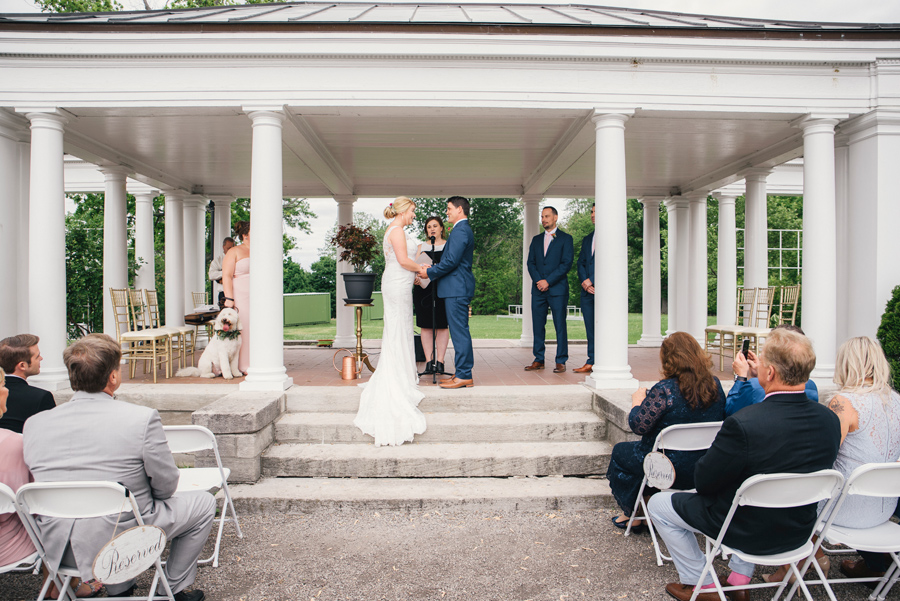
x=302 y=140
x=576 y=141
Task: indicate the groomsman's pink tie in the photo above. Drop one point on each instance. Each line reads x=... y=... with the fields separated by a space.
x=547 y=239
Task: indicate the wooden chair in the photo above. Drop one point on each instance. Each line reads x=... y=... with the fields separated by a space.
x=788 y=301
x=151 y=345
x=199 y=298
x=183 y=339
x=761 y=328
x=718 y=335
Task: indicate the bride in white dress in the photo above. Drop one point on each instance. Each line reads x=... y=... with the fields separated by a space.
x=388 y=408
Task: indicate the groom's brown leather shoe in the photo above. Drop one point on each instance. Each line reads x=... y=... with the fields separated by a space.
x=457 y=383
x=560 y=368
x=584 y=370
x=534 y=366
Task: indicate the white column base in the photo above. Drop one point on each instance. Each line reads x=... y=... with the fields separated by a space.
x=259 y=380
x=822 y=375
x=51 y=379
x=344 y=341
x=526 y=341
x=606 y=378
x=650 y=341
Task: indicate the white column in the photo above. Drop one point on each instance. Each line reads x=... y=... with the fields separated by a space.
x=24 y=235
x=531 y=226
x=819 y=255
x=756 y=229
x=345 y=318
x=266 y=371
x=221 y=230
x=671 y=280
x=843 y=250
x=726 y=266
x=174 y=258
x=193 y=250
x=611 y=368
x=115 y=241
x=679 y=247
x=144 y=250
x=10 y=248
x=698 y=294
x=651 y=295
x=47 y=247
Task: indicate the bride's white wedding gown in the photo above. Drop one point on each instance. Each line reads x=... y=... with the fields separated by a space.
x=388 y=408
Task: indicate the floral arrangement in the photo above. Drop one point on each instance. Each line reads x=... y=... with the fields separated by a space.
x=358 y=245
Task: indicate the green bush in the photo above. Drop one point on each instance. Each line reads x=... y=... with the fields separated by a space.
x=889 y=335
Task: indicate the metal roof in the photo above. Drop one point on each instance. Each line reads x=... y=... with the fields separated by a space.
x=458 y=14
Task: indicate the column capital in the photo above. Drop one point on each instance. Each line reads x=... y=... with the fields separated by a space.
x=652 y=201
x=677 y=202
x=697 y=196
x=345 y=199
x=145 y=196
x=265 y=115
x=49 y=118
x=756 y=173
x=725 y=198
x=532 y=200
x=817 y=124
x=114 y=173
x=175 y=195
x=606 y=118
x=195 y=202
x=222 y=201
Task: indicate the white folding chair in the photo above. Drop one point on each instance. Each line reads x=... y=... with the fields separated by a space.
x=32 y=563
x=190 y=439
x=680 y=437
x=77 y=500
x=776 y=491
x=870 y=480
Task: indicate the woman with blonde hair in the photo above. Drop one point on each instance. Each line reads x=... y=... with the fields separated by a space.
x=236 y=284
x=388 y=407
x=688 y=393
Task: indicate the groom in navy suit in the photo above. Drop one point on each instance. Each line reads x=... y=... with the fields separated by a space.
x=456 y=285
x=549 y=261
x=586 y=277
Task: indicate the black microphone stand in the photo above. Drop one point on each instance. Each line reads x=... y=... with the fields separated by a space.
x=434 y=361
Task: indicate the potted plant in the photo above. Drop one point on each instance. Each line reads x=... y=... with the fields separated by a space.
x=357 y=248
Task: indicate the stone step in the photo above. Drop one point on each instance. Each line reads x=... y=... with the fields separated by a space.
x=436 y=460
x=305 y=495
x=521 y=426
x=345 y=399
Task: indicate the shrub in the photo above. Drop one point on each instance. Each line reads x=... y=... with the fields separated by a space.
x=889 y=335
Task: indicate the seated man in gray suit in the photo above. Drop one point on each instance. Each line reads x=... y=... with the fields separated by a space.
x=96 y=437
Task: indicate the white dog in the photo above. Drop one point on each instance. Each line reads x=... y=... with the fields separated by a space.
x=221 y=354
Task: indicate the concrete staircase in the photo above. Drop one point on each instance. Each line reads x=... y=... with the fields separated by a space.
x=515 y=447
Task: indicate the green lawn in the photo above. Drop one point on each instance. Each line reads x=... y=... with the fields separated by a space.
x=481 y=326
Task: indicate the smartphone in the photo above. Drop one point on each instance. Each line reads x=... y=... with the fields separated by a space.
x=745 y=348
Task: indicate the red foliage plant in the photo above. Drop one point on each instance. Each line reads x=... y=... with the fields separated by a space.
x=358 y=245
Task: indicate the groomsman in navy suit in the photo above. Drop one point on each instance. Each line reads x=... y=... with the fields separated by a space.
x=456 y=285
x=549 y=261
x=586 y=277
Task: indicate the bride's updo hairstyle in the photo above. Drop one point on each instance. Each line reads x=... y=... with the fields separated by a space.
x=400 y=205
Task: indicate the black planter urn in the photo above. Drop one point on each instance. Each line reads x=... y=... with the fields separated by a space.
x=359 y=288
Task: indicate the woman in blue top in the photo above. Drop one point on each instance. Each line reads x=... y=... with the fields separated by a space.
x=689 y=393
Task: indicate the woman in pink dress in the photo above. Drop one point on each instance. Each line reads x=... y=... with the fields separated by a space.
x=236 y=283
x=14 y=541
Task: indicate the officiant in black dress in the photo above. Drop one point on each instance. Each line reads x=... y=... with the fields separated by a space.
x=432 y=322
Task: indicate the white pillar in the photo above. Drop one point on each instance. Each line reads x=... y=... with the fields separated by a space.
x=221 y=230
x=819 y=235
x=194 y=274
x=611 y=368
x=266 y=371
x=47 y=247
x=679 y=268
x=10 y=247
x=24 y=235
x=671 y=280
x=531 y=226
x=115 y=241
x=756 y=229
x=345 y=317
x=843 y=250
x=174 y=258
x=699 y=286
x=726 y=266
x=144 y=249
x=651 y=295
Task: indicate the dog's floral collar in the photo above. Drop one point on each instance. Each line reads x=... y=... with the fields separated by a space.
x=229 y=335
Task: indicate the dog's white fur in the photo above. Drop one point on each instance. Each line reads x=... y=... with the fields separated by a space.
x=220 y=353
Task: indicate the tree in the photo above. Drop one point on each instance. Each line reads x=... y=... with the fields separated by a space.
x=323 y=278
x=296 y=211
x=497 y=263
x=78 y=6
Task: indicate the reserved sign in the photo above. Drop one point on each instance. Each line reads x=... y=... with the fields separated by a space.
x=659 y=470
x=129 y=554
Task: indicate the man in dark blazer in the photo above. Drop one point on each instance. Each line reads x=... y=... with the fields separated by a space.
x=786 y=432
x=456 y=285
x=549 y=261
x=20 y=357
x=586 y=277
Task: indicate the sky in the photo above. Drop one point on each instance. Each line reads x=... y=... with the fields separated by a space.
x=869 y=11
